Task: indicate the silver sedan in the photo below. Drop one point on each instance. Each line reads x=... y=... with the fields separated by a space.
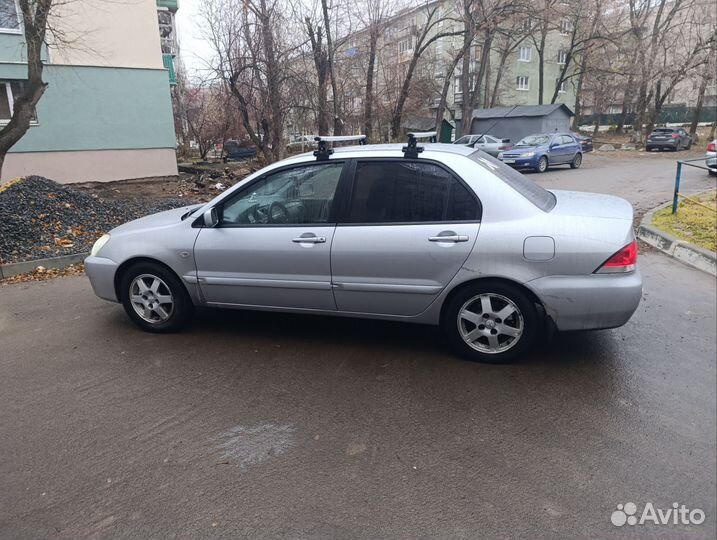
x=449 y=236
x=490 y=144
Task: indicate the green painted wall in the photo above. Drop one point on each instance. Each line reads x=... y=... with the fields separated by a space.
x=98 y=108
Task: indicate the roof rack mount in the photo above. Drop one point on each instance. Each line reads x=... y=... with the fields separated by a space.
x=411 y=150
x=323 y=152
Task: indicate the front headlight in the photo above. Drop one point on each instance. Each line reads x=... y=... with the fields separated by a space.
x=529 y=154
x=99 y=244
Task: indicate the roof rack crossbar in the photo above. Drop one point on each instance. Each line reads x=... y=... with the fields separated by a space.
x=323 y=152
x=411 y=150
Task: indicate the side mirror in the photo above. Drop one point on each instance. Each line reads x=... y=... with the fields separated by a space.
x=211 y=218
x=553 y=145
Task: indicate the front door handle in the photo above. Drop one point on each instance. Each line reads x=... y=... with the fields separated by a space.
x=449 y=238
x=310 y=240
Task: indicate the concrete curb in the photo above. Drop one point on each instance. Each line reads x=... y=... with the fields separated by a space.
x=12 y=269
x=691 y=255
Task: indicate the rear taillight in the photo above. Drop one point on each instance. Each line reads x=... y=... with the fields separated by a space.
x=675 y=136
x=625 y=260
x=711 y=147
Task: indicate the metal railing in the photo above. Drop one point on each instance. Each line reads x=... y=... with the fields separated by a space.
x=678 y=177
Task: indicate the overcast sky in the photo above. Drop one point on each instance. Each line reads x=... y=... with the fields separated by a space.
x=193 y=49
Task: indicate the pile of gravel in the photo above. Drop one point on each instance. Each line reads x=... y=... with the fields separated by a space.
x=40 y=218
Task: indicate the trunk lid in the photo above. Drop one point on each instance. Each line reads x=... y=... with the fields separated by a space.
x=593 y=205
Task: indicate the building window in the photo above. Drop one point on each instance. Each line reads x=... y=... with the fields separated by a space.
x=457 y=88
x=405 y=45
x=560 y=85
x=9 y=21
x=524 y=54
x=562 y=56
x=9 y=90
x=527 y=25
x=522 y=82
x=565 y=26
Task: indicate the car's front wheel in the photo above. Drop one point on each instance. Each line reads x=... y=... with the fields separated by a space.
x=154 y=298
x=542 y=165
x=577 y=161
x=490 y=322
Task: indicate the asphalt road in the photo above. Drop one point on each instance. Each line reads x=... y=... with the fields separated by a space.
x=256 y=425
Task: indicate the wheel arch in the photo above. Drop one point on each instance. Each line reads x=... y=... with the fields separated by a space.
x=122 y=268
x=494 y=279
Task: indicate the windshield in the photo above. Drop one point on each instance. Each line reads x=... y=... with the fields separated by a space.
x=466 y=139
x=542 y=198
x=663 y=130
x=534 y=140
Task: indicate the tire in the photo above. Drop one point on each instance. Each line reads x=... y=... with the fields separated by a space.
x=145 y=285
x=577 y=161
x=542 y=164
x=464 y=315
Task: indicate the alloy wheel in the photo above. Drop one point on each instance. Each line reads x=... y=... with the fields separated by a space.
x=490 y=323
x=151 y=298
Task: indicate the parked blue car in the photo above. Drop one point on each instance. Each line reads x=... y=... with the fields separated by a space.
x=539 y=152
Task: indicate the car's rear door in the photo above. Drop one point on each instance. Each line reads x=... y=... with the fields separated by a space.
x=272 y=245
x=407 y=228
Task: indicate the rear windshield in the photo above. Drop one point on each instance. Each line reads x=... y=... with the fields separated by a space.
x=540 y=197
x=663 y=130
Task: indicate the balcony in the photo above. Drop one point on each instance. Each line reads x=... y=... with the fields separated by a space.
x=168 y=62
x=172 y=5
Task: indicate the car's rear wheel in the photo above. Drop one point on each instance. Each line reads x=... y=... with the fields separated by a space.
x=542 y=165
x=577 y=161
x=490 y=322
x=154 y=298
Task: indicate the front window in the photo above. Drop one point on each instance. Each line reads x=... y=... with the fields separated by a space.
x=524 y=54
x=522 y=82
x=9 y=20
x=560 y=85
x=409 y=192
x=566 y=26
x=296 y=196
x=562 y=56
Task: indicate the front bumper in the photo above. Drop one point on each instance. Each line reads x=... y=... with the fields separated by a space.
x=591 y=302
x=101 y=272
x=521 y=162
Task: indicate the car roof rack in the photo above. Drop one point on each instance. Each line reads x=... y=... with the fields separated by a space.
x=411 y=150
x=323 y=152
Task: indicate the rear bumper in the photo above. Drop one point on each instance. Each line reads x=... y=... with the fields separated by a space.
x=671 y=143
x=101 y=272
x=711 y=160
x=589 y=302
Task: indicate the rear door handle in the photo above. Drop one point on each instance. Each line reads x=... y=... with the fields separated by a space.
x=449 y=238
x=310 y=240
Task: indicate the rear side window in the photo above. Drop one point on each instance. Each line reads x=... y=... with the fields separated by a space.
x=540 y=197
x=409 y=192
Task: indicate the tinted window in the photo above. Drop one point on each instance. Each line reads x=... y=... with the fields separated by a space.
x=540 y=197
x=300 y=195
x=567 y=139
x=408 y=192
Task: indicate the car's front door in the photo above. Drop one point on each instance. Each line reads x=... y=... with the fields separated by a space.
x=273 y=241
x=408 y=228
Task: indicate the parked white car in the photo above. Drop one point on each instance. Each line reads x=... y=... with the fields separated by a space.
x=711 y=157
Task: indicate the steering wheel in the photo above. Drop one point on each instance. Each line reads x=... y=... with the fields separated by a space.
x=278 y=213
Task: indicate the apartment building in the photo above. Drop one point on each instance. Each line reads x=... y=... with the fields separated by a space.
x=106 y=113
x=512 y=74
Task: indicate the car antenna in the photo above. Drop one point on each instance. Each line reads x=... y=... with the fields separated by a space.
x=497 y=122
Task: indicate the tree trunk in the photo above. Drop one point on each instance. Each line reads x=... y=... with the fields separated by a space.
x=498 y=76
x=368 y=99
x=579 y=89
x=700 y=102
x=541 y=64
x=273 y=83
x=35 y=25
x=338 y=122
x=321 y=65
x=444 y=91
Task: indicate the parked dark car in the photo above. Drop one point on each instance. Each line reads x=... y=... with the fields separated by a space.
x=541 y=151
x=668 y=139
x=235 y=150
x=586 y=143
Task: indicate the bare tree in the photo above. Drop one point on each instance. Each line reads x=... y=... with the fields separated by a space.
x=35 y=15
